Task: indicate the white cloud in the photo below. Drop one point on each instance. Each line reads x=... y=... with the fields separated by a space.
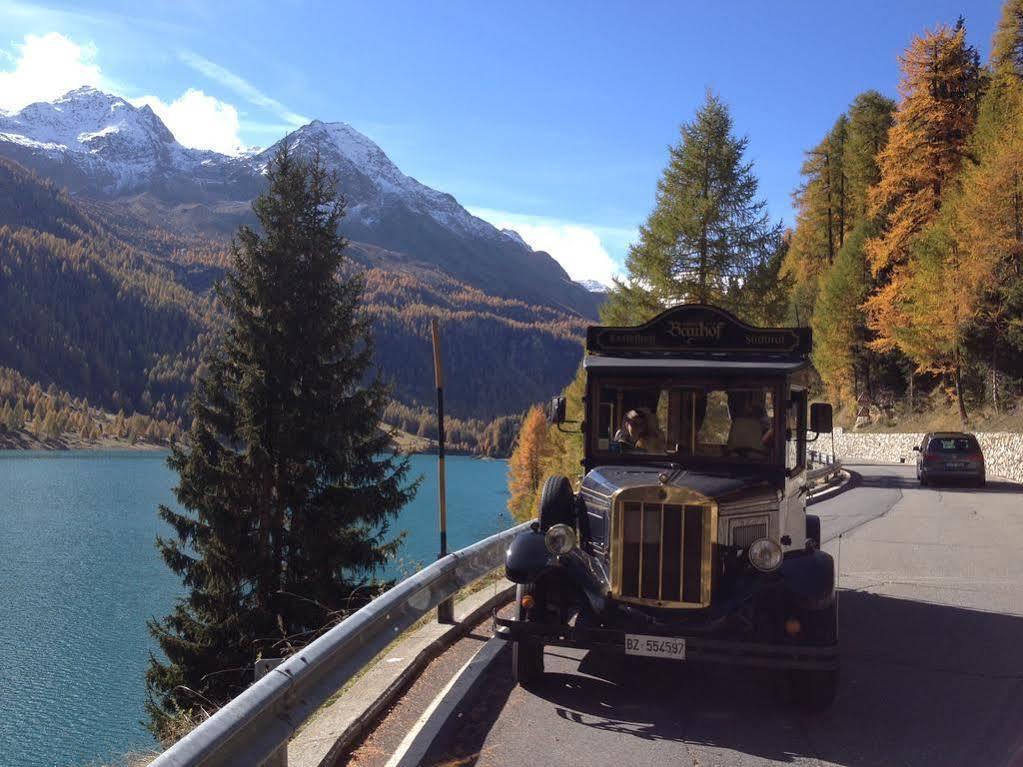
x=577 y=247
x=198 y=120
x=241 y=86
x=45 y=67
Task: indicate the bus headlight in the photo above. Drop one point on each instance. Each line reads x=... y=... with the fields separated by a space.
x=560 y=539
x=765 y=555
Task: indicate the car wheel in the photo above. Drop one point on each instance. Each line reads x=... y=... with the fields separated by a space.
x=557 y=503
x=527 y=654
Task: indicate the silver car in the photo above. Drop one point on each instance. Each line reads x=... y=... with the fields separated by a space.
x=949 y=455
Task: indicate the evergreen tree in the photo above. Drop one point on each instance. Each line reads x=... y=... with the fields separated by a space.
x=831 y=201
x=839 y=325
x=765 y=294
x=286 y=481
x=870 y=118
x=707 y=231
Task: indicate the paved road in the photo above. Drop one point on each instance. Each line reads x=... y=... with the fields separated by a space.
x=932 y=633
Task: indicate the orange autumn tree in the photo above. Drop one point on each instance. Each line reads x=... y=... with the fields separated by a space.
x=919 y=167
x=526 y=466
x=989 y=216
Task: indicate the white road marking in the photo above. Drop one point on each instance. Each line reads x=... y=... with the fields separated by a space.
x=410 y=738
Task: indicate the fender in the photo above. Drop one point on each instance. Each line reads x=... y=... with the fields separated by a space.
x=526 y=558
x=810 y=577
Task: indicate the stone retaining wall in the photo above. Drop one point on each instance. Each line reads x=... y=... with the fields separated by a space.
x=1003 y=451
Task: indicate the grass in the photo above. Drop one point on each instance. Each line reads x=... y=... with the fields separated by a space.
x=142 y=759
x=938 y=413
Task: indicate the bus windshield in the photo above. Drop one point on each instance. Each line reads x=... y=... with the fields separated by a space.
x=712 y=421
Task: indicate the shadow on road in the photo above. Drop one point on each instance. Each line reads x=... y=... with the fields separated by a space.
x=922 y=684
x=889 y=481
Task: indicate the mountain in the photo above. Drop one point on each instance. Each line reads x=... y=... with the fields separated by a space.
x=112 y=235
x=593 y=286
x=101 y=147
x=97 y=144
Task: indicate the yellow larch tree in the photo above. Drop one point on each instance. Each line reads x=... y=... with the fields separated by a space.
x=940 y=88
x=526 y=465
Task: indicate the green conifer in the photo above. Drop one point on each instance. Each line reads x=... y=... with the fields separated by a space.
x=287 y=484
x=707 y=231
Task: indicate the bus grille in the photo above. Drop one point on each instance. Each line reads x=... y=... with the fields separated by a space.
x=664 y=554
x=744 y=533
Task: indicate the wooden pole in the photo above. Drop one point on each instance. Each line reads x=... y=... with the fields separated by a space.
x=446 y=609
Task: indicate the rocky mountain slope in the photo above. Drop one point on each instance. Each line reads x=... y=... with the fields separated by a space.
x=101 y=147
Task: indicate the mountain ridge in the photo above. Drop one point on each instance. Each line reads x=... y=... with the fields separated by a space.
x=99 y=145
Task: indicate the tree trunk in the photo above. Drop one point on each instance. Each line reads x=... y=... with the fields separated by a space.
x=957 y=377
x=994 y=369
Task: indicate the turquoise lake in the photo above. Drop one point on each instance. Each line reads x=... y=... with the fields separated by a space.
x=80 y=576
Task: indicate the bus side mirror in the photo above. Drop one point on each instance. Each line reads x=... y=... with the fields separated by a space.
x=820 y=418
x=556 y=411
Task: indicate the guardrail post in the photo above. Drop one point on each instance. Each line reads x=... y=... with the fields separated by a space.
x=264 y=666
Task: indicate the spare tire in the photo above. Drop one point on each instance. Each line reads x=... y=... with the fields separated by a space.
x=557 y=503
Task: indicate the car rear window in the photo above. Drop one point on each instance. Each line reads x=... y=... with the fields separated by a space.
x=952 y=445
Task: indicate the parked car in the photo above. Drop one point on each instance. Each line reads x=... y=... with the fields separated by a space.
x=949 y=455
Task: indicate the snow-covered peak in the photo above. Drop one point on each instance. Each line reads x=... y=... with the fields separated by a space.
x=593 y=286
x=372 y=181
x=513 y=235
x=116 y=145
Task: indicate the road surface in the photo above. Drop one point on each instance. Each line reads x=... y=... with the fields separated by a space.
x=932 y=652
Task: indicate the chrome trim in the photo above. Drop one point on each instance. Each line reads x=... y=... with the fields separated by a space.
x=662 y=496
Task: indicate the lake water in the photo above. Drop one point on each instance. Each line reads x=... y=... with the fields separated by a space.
x=79 y=576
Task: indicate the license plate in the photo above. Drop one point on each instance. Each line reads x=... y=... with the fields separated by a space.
x=954 y=466
x=655 y=647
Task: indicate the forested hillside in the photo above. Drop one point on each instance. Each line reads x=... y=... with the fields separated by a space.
x=906 y=257
x=112 y=309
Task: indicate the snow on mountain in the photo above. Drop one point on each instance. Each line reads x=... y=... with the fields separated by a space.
x=109 y=143
x=109 y=146
x=593 y=286
x=512 y=234
x=373 y=181
x=97 y=144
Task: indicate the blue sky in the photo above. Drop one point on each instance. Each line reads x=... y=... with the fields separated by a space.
x=551 y=117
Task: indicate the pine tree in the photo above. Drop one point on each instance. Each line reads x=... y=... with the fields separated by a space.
x=839 y=325
x=870 y=118
x=286 y=481
x=822 y=204
x=765 y=294
x=822 y=217
x=708 y=229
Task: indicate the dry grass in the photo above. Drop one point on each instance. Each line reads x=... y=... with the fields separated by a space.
x=938 y=413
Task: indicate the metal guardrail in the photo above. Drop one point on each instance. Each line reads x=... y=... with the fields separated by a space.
x=248 y=729
x=827 y=465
